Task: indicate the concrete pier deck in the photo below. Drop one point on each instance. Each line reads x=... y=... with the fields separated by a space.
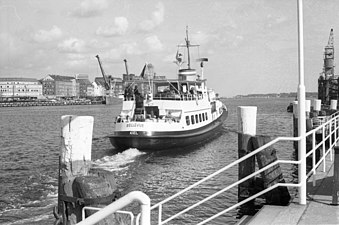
x=318 y=210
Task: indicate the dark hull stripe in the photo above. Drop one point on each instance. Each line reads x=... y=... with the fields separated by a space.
x=166 y=140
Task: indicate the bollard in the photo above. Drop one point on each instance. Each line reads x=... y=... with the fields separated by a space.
x=75 y=160
x=273 y=175
x=308 y=108
x=246 y=129
x=79 y=184
x=333 y=105
x=316 y=103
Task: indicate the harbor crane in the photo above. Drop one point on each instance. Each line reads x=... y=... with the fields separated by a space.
x=107 y=80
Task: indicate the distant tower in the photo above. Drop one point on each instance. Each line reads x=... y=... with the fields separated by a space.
x=328 y=85
x=329 y=58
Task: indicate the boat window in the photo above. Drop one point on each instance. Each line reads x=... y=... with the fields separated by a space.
x=184 y=88
x=196 y=118
x=200 y=117
x=206 y=115
x=152 y=112
x=174 y=113
x=203 y=116
x=192 y=119
x=187 y=120
x=214 y=107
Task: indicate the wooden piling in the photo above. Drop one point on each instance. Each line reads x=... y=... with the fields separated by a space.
x=273 y=175
x=246 y=129
x=75 y=160
x=79 y=184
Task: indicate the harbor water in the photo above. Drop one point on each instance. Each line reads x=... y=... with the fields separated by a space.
x=30 y=139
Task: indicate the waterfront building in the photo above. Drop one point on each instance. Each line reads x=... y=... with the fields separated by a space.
x=85 y=88
x=20 y=88
x=59 y=86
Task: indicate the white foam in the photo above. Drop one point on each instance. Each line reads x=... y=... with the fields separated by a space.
x=119 y=161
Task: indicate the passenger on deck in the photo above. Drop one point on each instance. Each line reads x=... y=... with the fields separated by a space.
x=192 y=91
x=128 y=94
x=136 y=91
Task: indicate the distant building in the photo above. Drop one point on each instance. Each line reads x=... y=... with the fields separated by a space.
x=59 y=86
x=85 y=88
x=20 y=88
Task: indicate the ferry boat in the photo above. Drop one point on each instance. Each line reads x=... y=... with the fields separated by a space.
x=168 y=113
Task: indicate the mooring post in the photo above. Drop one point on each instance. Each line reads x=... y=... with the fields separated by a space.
x=334 y=104
x=308 y=108
x=273 y=175
x=75 y=160
x=246 y=129
x=316 y=106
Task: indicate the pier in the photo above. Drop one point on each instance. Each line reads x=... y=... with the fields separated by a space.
x=321 y=207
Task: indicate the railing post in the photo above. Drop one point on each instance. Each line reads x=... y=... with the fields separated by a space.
x=301 y=102
x=159 y=215
x=324 y=148
x=314 y=159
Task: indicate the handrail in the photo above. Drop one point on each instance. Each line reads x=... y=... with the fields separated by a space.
x=122 y=202
x=97 y=209
x=327 y=124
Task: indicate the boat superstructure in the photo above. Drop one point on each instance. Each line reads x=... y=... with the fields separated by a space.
x=168 y=113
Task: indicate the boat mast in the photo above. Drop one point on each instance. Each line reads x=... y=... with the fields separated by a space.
x=188 y=49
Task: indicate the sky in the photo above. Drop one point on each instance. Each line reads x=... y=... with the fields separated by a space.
x=251 y=45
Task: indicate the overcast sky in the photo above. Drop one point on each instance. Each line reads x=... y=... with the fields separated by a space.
x=251 y=44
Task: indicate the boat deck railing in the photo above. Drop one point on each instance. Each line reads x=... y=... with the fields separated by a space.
x=175 y=97
x=329 y=138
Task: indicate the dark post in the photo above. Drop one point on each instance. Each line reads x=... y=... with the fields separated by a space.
x=335 y=188
x=273 y=175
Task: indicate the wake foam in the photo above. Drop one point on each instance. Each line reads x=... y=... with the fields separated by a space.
x=119 y=161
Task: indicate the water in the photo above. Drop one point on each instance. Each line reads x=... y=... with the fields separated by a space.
x=29 y=142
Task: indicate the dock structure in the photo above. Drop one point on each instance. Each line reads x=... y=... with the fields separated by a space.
x=328 y=82
x=322 y=203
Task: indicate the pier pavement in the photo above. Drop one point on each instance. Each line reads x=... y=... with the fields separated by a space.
x=318 y=210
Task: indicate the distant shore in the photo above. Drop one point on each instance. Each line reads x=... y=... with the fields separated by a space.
x=278 y=95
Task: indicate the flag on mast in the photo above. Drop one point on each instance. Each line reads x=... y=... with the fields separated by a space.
x=178 y=58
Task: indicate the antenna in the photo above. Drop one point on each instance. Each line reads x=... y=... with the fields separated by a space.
x=188 y=49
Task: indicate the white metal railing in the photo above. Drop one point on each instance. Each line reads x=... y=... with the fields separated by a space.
x=122 y=202
x=331 y=125
x=329 y=135
x=130 y=214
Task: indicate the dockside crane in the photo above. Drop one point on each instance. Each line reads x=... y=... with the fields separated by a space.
x=106 y=80
x=329 y=57
x=125 y=61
